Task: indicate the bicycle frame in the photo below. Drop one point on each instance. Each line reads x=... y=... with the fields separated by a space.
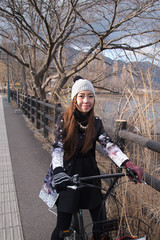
x=77 y=231
x=77 y=226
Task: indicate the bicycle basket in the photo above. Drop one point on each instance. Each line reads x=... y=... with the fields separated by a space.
x=121 y=229
x=125 y=238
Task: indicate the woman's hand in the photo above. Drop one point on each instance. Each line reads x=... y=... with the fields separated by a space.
x=136 y=169
x=61 y=179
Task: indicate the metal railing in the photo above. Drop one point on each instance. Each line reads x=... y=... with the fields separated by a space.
x=40 y=113
x=44 y=116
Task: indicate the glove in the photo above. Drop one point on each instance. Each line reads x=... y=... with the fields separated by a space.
x=61 y=179
x=136 y=169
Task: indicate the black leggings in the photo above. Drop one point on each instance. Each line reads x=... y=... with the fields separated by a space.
x=64 y=221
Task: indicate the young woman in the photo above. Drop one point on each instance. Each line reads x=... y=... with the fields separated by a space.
x=74 y=153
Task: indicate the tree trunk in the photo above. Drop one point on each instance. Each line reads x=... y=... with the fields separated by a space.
x=40 y=92
x=55 y=94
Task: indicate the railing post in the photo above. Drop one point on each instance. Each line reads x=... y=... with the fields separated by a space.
x=45 y=119
x=28 y=106
x=57 y=111
x=18 y=98
x=37 y=113
x=119 y=125
x=25 y=104
x=15 y=96
x=32 y=109
x=11 y=94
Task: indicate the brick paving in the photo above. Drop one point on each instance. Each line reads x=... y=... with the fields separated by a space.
x=10 y=222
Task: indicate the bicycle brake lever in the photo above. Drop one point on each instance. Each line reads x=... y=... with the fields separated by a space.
x=75 y=179
x=132 y=175
x=144 y=182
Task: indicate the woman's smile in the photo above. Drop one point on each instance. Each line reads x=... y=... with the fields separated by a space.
x=85 y=101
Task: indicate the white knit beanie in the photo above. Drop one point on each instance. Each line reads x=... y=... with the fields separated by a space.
x=81 y=85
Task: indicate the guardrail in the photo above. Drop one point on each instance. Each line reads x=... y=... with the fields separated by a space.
x=44 y=115
x=40 y=113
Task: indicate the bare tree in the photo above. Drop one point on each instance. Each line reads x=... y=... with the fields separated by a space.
x=51 y=33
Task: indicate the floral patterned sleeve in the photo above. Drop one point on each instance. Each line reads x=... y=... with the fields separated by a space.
x=57 y=150
x=112 y=150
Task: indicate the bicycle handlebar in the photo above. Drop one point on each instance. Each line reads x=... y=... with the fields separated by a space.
x=76 y=179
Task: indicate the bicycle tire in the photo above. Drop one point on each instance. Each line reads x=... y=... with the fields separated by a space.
x=113 y=207
x=112 y=203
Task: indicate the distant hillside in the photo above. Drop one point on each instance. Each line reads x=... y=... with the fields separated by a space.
x=138 y=67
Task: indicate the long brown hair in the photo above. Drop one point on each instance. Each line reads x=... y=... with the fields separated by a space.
x=71 y=132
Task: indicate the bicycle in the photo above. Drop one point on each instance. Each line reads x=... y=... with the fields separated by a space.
x=111 y=229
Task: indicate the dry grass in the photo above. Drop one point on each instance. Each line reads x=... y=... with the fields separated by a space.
x=139 y=200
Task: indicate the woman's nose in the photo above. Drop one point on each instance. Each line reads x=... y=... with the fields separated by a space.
x=86 y=99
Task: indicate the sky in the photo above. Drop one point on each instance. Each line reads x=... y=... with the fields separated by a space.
x=148 y=54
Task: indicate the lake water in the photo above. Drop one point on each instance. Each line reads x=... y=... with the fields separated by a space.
x=143 y=112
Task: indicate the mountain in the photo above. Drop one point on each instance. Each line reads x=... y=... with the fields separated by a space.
x=149 y=70
x=144 y=67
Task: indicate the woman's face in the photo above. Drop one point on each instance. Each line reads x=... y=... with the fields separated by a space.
x=85 y=101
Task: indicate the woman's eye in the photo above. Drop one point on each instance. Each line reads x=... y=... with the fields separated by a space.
x=83 y=96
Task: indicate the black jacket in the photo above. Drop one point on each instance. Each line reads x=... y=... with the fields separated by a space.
x=83 y=164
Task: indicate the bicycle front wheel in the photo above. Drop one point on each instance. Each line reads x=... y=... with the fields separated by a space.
x=113 y=207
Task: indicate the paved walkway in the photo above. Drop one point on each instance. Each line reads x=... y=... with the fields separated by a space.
x=23 y=166
x=10 y=223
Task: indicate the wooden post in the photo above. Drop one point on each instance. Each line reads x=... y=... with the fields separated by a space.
x=57 y=111
x=28 y=106
x=32 y=109
x=11 y=93
x=25 y=104
x=37 y=113
x=120 y=124
x=20 y=100
x=45 y=119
